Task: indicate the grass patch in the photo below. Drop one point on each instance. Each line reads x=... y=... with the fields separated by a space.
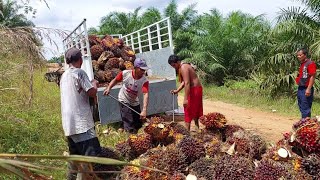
x=37 y=129
x=247 y=94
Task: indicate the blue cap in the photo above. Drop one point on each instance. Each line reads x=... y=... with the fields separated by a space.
x=141 y=63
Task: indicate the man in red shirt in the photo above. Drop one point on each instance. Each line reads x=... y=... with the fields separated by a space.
x=305 y=81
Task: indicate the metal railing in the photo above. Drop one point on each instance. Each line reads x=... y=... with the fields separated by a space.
x=153 y=37
x=78 y=38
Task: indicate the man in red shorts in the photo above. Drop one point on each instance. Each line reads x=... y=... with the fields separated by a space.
x=189 y=80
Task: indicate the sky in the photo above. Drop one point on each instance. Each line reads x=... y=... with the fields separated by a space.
x=67 y=14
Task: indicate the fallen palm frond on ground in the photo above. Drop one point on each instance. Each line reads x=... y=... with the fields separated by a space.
x=12 y=164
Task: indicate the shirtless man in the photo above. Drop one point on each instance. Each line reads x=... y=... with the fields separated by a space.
x=189 y=80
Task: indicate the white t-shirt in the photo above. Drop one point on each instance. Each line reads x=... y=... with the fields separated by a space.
x=131 y=87
x=75 y=108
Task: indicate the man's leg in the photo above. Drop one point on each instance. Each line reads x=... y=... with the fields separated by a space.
x=127 y=118
x=299 y=98
x=72 y=168
x=187 y=125
x=137 y=122
x=196 y=122
x=305 y=107
x=89 y=147
x=310 y=100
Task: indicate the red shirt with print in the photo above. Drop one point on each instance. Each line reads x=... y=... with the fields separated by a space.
x=311 y=69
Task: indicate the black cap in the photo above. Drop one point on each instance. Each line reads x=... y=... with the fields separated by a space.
x=73 y=55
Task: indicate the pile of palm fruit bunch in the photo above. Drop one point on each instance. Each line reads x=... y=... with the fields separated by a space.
x=109 y=57
x=167 y=151
x=306 y=135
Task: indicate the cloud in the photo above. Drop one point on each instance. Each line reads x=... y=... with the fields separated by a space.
x=67 y=15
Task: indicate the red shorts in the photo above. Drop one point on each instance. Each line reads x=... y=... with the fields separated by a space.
x=194 y=109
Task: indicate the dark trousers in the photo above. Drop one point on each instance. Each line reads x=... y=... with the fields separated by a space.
x=304 y=102
x=89 y=147
x=131 y=120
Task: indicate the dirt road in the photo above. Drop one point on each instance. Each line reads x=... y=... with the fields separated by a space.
x=268 y=124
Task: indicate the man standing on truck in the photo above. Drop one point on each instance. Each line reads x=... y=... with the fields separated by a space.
x=77 y=121
x=189 y=80
x=134 y=82
x=305 y=81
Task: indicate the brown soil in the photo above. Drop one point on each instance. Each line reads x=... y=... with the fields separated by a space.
x=268 y=124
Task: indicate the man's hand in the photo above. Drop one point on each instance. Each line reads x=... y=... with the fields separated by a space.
x=94 y=83
x=106 y=92
x=185 y=102
x=174 y=91
x=308 y=92
x=143 y=114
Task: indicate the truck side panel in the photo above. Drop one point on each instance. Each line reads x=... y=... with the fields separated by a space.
x=157 y=60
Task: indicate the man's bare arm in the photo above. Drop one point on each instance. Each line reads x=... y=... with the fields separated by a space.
x=111 y=84
x=311 y=83
x=186 y=79
x=92 y=92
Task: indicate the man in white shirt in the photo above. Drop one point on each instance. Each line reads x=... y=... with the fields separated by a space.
x=134 y=82
x=77 y=120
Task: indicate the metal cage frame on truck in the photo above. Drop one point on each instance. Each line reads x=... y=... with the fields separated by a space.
x=153 y=43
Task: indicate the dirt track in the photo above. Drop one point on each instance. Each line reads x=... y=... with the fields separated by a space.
x=268 y=124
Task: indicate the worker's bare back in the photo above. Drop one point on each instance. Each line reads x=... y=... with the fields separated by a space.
x=191 y=74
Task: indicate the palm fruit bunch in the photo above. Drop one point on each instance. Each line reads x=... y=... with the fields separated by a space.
x=131 y=173
x=112 y=63
x=169 y=160
x=107 y=153
x=269 y=169
x=201 y=168
x=109 y=75
x=125 y=150
x=176 y=133
x=109 y=53
x=232 y=167
x=140 y=143
x=128 y=65
x=192 y=148
x=280 y=151
x=178 y=128
x=228 y=130
x=94 y=40
x=213 y=147
x=247 y=144
x=107 y=41
x=311 y=164
x=177 y=176
x=307 y=136
x=95 y=66
x=96 y=51
x=206 y=135
x=100 y=76
x=213 y=120
x=157 y=129
x=103 y=59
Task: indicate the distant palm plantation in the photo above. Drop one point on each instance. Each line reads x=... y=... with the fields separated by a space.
x=238 y=46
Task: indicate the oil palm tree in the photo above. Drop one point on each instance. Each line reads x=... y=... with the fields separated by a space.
x=297 y=27
x=10 y=16
x=225 y=47
x=119 y=23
